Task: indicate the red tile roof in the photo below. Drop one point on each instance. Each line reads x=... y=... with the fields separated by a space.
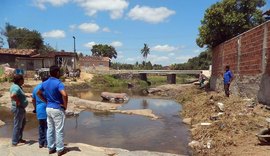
x=22 y=52
x=53 y=54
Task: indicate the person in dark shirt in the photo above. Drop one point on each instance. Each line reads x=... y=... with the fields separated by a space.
x=227 y=79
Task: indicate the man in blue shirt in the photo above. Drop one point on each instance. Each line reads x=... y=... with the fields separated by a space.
x=56 y=99
x=40 y=109
x=227 y=78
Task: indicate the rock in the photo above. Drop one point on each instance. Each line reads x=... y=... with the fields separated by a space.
x=187 y=121
x=194 y=144
x=114 y=97
x=2 y=123
x=220 y=106
x=154 y=90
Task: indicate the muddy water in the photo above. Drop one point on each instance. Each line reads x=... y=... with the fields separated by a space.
x=131 y=132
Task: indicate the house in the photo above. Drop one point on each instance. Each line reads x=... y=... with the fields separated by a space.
x=9 y=56
x=88 y=63
x=30 y=59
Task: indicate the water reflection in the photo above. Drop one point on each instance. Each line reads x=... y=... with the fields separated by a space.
x=131 y=132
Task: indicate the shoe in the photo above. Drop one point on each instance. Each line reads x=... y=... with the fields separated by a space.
x=45 y=146
x=13 y=145
x=62 y=152
x=52 y=151
x=40 y=146
x=22 y=141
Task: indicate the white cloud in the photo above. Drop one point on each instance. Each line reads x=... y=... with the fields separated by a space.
x=120 y=56
x=73 y=26
x=115 y=7
x=171 y=54
x=151 y=15
x=182 y=59
x=117 y=44
x=89 y=27
x=164 y=48
x=41 y=3
x=130 y=60
x=106 y=29
x=197 y=51
x=90 y=44
x=54 y=34
x=155 y=59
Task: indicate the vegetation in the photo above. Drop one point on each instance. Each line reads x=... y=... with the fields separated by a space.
x=145 y=51
x=229 y=18
x=109 y=81
x=104 y=51
x=23 y=38
x=200 y=62
x=143 y=66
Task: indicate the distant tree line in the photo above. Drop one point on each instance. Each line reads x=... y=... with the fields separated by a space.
x=137 y=66
x=200 y=62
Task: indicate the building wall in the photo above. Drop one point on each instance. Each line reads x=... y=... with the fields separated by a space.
x=10 y=59
x=247 y=55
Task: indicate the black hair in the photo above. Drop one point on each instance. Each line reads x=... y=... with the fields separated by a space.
x=17 y=78
x=54 y=70
x=44 y=78
x=227 y=67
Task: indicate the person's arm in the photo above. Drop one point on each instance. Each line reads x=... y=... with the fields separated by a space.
x=14 y=97
x=34 y=101
x=61 y=89
x=40 y=95
x=65 y=98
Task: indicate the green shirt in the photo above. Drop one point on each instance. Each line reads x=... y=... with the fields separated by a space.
x=15 y=89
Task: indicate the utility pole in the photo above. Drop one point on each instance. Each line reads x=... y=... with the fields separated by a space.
x=74 y=59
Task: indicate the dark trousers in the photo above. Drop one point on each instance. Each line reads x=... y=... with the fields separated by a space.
x=19 y=123
x=227 y=89
x=42 y=132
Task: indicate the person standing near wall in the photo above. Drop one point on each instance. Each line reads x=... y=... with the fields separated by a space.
x=40 y=109
x=18 y=105
x=56 y=99
x=227 y=79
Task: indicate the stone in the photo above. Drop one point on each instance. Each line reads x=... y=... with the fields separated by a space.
x=220 y=106
x=2 y=123
x=194 y=144
x=187 y=121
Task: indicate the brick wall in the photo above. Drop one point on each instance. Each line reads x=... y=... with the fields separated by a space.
x=247 y=54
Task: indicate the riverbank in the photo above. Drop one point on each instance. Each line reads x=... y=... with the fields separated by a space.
x=73 y=149
x=220 y=125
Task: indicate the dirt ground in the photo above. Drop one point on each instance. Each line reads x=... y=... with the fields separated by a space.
x=232 y=131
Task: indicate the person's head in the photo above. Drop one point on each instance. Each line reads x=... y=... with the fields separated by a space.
x=55 y=71
x=227 y=67
x=18 y=79
x=45 y=78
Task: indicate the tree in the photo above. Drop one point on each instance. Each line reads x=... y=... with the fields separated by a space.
x=104 y=51
x=145 y=51
x=22 y=38
x=227 y=19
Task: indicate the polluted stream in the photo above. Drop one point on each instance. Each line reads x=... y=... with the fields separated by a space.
x=132 y=132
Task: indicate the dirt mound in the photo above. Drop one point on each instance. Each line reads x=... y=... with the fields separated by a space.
x=221 y=125
x=86 y=76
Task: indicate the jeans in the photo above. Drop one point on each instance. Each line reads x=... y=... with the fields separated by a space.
x=55 y=132
x=227 y=89
x=42 y=130
x=19 y=123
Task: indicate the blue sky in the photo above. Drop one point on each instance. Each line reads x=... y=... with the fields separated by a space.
x=169 y=27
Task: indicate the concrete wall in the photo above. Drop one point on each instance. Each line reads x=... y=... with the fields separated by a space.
x=247 y=54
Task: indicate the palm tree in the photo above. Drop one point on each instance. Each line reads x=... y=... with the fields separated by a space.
x=145 y=51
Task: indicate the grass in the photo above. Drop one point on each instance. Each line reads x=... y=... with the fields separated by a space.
x=160 y=80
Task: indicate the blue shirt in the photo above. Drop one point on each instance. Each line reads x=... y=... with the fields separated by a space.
x=52 y=88
x=15 y=89
x=227 y=77
x=40 y=105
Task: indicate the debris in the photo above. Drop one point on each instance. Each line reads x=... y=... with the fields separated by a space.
x=194 y=144
x=206 y=124
x=187 y=121
x=220 y=106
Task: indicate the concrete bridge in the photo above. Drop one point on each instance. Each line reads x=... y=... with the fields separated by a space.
x=171 y=74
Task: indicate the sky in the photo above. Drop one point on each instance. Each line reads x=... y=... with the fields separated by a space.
x=168 y=27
